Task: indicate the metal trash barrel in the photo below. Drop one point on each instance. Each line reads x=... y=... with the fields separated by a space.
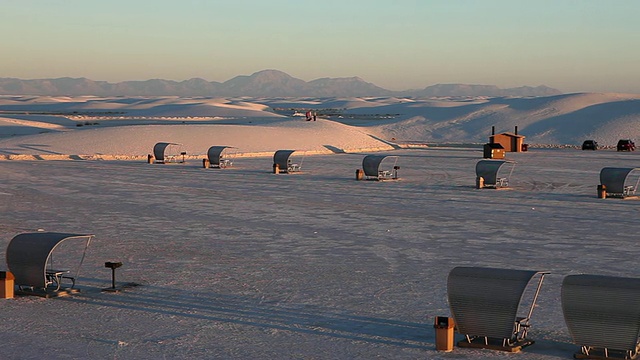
x=7 y=285
x=602 y=192
x=444 y=333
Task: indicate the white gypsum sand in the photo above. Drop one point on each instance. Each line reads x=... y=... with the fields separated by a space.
x=242 y=263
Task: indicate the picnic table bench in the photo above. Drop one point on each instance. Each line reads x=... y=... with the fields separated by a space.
x=292 y=167
x=54 y=277
x=224 y=163
x=629 y=190
x=384 y=174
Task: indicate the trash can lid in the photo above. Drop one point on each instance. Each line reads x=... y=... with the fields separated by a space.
x=443 y=322
x=7 y=275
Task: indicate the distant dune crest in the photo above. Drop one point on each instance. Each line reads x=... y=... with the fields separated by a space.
x=485 y=90
x=90 y=125
x=260 y=84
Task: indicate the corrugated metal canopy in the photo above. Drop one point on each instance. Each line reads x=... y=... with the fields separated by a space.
x=485 y=301
x=371 y=164
x=602 y=311
x=214 y=153
x=28 y=253
x=614 y=178
x=488 y=169
x=159 y=148
x=281 y=157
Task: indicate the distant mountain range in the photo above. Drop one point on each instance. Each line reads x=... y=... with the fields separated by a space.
x=266 y=83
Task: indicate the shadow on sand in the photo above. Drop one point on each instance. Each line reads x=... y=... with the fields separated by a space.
x=242 y=310
x=334 y=149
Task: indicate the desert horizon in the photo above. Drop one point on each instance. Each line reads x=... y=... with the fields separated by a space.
x=128 y=127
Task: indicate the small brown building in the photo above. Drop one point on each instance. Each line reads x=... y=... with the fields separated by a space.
x=493 y=151
x=510 y=142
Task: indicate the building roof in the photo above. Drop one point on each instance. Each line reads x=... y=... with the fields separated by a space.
x=509 y=134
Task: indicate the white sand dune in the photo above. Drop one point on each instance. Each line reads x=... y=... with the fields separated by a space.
x=136 y=141
x=563 y=119
x=30 y=123
x=56 y=125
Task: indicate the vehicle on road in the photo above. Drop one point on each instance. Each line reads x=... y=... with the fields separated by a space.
x=626 y=145
x=590 y=145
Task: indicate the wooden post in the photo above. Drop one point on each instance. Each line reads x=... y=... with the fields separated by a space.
x=150 y=159
x=359 y=174
x=479 y=182
x=206 y=163
x=276 y=169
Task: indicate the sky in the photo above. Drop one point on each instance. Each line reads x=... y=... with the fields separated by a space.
x=571 y=45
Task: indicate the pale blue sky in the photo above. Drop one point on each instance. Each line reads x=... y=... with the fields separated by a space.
x=572 y=45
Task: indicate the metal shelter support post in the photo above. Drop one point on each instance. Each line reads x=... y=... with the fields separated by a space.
x=535 y=297
x=523 y=325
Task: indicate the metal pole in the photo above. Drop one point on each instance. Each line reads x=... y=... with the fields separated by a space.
x=535 y=298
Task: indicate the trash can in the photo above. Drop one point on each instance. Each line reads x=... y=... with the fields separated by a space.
x=444 y=333
x=479 y=182
x=150 y=158
x=206 y=163
x=525 y=147
x=276 y=169
x=6 y=285
x=602 y=192
x=359 y=174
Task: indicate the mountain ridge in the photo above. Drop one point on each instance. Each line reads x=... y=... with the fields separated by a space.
x=265 y=83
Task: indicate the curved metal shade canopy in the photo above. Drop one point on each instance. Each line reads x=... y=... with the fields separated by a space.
x=614 y=178
x=371 y=164
x=281 y=158
x=488 y=170
x=602 y=311
x=485 y=301
x=214 y=153
x=28 y=254
x=159 y=148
